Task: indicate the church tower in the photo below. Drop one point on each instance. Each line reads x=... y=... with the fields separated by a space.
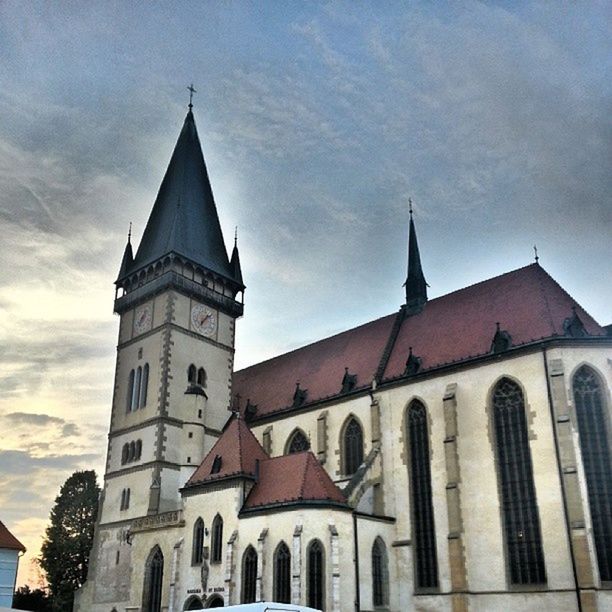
x=178 y=299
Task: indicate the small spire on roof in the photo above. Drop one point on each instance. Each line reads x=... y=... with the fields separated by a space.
x=130 y=234
x=191 y=92
x=535 y=250
x=416 y=286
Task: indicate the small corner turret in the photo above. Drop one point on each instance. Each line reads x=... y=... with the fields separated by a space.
x=416 y=286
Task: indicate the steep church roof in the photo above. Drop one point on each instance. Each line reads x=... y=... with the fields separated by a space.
x=184 y=218
x=528 y=304
x=235 y=453
x=8 y=540
x=292 y=479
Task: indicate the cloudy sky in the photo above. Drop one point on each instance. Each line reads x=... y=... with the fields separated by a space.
x=318 y=121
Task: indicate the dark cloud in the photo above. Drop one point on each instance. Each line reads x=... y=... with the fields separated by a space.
x=32 y=419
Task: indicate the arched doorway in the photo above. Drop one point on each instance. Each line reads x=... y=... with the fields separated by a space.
x=215 y=601
x=193 y=603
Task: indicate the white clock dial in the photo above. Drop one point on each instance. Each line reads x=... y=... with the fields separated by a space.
x=203 y=320
x=143 y=318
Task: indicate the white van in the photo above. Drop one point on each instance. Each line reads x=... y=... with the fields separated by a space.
x=267 y=606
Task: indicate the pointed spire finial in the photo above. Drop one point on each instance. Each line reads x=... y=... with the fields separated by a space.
x=235 y=236
x=191 y=92
x=130 y=233
x=410 y=206
x=416 y=286
x=535 y=250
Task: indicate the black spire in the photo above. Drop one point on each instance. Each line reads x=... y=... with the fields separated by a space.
x=184 y=218
x=235 y=261
x=128 y=256
x=416 y=286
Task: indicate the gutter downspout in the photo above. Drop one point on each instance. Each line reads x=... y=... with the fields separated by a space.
x=561 y=480
x=174 y=574
x=356 y=562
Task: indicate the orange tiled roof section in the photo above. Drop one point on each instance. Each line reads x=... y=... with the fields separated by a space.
x=527 y=303
x=8 y=540
x=292 y=478
x=319 y=368
x=238 y=449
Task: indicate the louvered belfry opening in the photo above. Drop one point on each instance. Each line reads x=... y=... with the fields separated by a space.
x=521 y=520
x=282 y=574
x=423 y=527
x=249 y=576
x=593 y=428
x=316 y=573
x=353 y=447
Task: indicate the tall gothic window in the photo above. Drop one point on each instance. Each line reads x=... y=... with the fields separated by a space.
x=144 y=383
x=298 y=442
x=198 y=542
x=282 y=574
x=191 y=374
x=519 y=505
x=593 y=428
x=423 y=528
x=249 y=575
x=202 y=377
x=154 y=575
x=380 y=574
x=217 y=539
x=136 y=389
x=130 y=391
x=316 y=575
x=352 y=450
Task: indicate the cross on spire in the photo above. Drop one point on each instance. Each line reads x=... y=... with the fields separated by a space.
x=130 y=232
x=191 y=91
x=535 y=250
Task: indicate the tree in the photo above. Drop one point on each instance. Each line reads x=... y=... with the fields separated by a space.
x=26 y=599
x=65 y=550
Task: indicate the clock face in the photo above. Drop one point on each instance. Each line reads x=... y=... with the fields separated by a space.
x=143 y=317
x=203 y=320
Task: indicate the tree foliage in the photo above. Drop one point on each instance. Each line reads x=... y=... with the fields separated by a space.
x=26 y=599
x=69 y=538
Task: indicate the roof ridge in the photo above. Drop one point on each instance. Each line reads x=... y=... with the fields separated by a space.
x=303 y=485
x=318 y=471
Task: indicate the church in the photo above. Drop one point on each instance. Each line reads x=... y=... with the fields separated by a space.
x=452 y=455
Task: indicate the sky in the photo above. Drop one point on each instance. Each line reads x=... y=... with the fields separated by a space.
x=318 y=121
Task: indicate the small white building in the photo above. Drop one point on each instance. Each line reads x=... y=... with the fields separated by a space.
x=10 y=549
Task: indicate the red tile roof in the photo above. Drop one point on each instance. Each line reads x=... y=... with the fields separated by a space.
x=238 y=449
x=292 y=478
x=319 y=368
x=527 y=302
x=8 y=540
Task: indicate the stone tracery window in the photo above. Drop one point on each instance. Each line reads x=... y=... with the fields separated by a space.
x=316 y=575
x=423 y=525
x=249 y=575
x=282 y=574
x=198 y=542
x=352 y=447
x=298 y=442
x=217 y=539
x=521 y=521
x=154 y=575
x=380 y=574
x=593 y=429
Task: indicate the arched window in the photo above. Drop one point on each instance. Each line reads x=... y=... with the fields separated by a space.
x=423 y=528
x=217 y=539
x=249 y=575
x=282 y=574
x=132 y=452
x=193 y=603
x=191 y=374
x=142 y=402
x=519 y=505
x=316 y=575
x=136 y=390
x=593 y=428
x=125 y=453
x=297 y=443
x=130 y=392
x=202 y=377
x=138 y=449
x=154 y=575
x=198 y=542
x=352 y=447
x=125 y=499
x=380 y=574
